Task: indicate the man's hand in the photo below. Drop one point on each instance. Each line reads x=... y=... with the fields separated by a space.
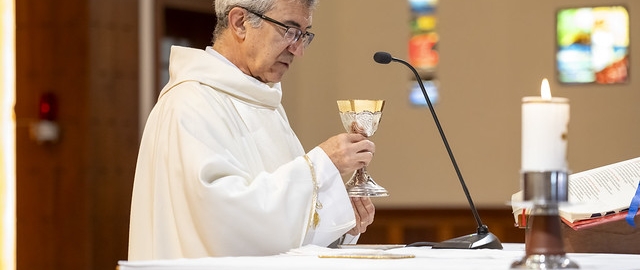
x=364 y=211
x=349 y=152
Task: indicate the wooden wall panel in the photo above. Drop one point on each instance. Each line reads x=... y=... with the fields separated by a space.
x=73 y=196
x=404 y=226
x=113 y=125
x=53 y=214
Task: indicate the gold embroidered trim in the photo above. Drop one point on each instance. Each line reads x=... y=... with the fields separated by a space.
x=314 y=219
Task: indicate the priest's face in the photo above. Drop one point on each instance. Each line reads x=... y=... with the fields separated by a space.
x=280 y=37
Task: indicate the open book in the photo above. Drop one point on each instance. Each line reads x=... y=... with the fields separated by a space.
x=595 y=194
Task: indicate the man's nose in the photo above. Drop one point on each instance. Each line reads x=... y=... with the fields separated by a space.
x=296 y=48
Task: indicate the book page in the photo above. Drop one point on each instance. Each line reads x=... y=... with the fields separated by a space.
x=601 y=191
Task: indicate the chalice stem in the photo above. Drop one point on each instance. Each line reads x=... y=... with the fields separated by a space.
x=362 y=176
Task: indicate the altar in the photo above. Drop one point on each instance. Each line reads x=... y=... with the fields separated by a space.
x=371 y=257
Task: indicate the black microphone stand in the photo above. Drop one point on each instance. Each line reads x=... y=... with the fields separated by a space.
x=482 y=238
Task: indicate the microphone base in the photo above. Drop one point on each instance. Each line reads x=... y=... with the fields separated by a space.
x=471 y=241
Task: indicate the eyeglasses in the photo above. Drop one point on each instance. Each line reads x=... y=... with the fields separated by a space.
x=291 y=34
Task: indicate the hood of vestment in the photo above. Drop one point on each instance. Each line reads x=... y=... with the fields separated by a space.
x=188 y=64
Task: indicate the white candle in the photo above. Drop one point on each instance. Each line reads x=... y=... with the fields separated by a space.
x=545 y=122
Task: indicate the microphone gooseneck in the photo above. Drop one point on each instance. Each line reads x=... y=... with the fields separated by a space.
x=483 y=238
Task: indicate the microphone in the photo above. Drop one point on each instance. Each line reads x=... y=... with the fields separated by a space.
x=482 y=238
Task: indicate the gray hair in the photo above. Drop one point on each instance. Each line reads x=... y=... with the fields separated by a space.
x=222 y=8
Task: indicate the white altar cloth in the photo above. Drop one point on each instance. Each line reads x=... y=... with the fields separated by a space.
x=309 y=257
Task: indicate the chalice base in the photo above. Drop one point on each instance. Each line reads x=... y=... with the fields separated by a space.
x=541 y=261
x=362 y=185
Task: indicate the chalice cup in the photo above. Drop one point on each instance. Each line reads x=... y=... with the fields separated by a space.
x=362 y=116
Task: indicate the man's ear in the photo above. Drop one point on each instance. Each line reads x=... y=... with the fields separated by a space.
x=237 y=17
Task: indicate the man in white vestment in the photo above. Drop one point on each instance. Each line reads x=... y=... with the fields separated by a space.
x=219 y=171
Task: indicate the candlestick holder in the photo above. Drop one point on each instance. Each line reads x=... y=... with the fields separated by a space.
x=543 y=237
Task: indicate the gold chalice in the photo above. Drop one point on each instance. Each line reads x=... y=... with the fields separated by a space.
x=362 y=116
